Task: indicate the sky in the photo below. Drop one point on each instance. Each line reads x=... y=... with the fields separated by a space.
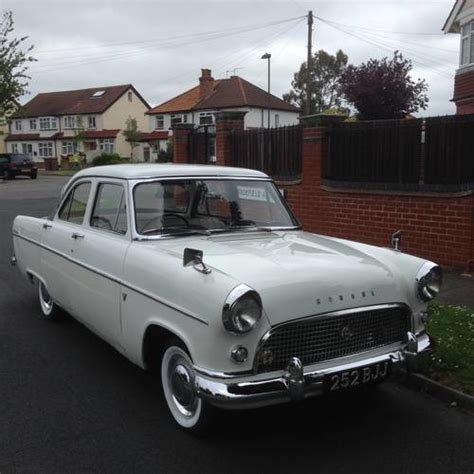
x=160 y=46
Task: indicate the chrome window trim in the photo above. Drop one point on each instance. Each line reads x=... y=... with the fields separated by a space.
x=140 y=237
x=343 y=312
x=70 y=189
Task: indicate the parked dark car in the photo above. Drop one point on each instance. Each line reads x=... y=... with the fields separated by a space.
x=15 y=164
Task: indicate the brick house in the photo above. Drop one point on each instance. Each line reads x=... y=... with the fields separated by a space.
x=45 y=127
x=461 y=21
x=198 y=105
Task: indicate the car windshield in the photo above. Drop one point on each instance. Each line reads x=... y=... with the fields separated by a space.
x=209 y=205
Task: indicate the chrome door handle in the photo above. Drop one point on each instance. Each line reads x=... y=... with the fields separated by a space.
x=47 y=225
x=75 y=235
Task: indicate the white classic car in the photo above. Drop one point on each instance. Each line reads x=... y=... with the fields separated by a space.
x=203 y=275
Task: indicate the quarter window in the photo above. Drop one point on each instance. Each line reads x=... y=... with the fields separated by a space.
x=110 y=209
x=74 y=207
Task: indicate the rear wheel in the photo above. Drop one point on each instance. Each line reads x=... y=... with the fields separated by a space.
x=49 y=309
x=177 y=377
x=33 y=175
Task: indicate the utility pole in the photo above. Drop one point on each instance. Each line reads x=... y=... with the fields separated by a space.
x=308 y=62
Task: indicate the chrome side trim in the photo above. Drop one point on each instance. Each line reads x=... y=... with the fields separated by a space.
x=119 y=281
x=342 y=312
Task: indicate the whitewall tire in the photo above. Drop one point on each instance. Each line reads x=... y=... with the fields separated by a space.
x=49 y=310
x=177 y=378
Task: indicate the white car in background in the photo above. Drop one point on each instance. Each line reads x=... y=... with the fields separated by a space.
x=203 y=274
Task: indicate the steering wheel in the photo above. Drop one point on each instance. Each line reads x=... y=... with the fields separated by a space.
x=157 y=222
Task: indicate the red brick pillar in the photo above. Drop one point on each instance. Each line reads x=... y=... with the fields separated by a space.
x=181 y=134
x=226 y=122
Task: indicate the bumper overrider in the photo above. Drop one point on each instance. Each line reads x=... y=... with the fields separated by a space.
x=298 y=382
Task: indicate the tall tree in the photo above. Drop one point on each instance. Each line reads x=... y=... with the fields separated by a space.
x=384 y=89
x=132 y=135
x=326 y=71
x=13 y=65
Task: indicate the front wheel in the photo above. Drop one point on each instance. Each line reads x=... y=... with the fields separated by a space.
x=49 y=309
x=177 y=378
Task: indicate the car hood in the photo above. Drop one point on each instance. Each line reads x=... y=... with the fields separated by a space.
x=298 y=274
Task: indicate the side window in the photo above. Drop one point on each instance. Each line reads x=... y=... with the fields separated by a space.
x=74 y=207
x=110 y=208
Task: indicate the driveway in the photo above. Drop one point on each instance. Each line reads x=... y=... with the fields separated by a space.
x=70 y=403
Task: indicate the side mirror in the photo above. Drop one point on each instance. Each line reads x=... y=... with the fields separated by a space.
x=397 y=240
x=195 y=258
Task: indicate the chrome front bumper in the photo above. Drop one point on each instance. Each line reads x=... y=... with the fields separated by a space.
x=298 y=382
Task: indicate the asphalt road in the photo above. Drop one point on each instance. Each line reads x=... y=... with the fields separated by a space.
x=70 y=403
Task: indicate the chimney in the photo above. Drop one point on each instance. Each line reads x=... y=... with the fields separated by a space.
x=206 y=83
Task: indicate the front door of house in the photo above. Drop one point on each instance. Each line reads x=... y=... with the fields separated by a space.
x=146 y=154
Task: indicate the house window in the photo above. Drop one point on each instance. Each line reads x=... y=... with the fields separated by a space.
x=45 y=149
x=14 y=147
x=130 y=96
x=48 y=123
x=70 y=122
x=18 y=125
x=69 y=148
x=277 y=120
x=206 y=118
x=92 y=122
x=179 y=118
x=27 y=148
x=467 y=43
x=159 y=122
x=107 y=145
x=33 y=124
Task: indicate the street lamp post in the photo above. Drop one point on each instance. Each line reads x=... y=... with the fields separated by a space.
x=268 y=56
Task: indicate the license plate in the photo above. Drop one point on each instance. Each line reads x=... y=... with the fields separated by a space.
x=356 y=377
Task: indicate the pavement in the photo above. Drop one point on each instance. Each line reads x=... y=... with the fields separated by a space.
x=69 y=403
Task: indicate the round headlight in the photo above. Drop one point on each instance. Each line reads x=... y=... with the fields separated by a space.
x=242 y=310
x=428 y=281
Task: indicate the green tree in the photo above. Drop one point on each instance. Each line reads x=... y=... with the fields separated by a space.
x=384 y=89
x=325 y=74
x=14 y=62
x=132 y=135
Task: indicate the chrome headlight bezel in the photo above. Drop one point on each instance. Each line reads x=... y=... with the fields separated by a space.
x=232 y=320
x=428 y=281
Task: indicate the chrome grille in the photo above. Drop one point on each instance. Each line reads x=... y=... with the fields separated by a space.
x=330 y=336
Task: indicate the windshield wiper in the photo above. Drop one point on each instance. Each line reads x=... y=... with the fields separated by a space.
x=251 y=228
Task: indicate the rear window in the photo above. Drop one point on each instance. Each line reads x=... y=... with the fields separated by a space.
x=20 y=158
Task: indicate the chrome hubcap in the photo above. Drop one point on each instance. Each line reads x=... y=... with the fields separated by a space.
x=182 y=389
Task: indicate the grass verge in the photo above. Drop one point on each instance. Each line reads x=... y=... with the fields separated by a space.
x=452 y=361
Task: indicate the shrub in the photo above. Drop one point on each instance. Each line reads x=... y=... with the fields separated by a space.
x=165 y=156
x=106 y=159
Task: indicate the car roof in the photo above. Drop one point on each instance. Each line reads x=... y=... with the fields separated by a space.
x=159 y=170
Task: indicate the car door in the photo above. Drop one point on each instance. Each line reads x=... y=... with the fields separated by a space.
x=57 y=253
x=99 y=252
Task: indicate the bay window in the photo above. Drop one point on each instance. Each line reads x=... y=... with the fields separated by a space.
x=69 y=148
x=107 y=145
x=45 y=149
x=48 y=123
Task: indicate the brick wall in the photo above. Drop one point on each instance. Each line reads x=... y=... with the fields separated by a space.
x=464 y=92
x=437 y=227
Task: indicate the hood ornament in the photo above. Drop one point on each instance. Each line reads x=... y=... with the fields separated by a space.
x=194 y=257
x=397 y=240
